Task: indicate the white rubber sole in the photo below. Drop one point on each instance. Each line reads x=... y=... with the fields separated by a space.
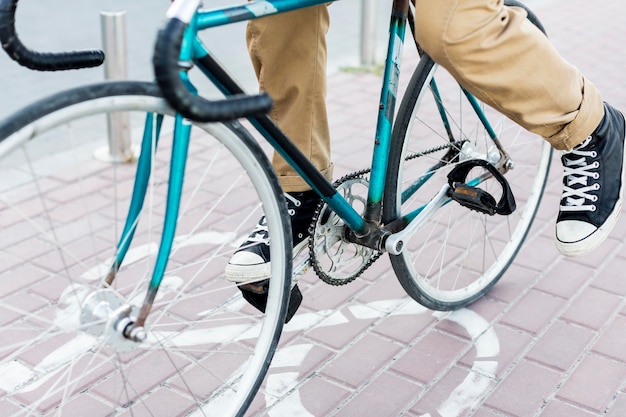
x=591 y=242
x=245 y=274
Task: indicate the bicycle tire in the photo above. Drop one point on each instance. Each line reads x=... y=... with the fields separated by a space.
x=207 y=351
x=458 y=255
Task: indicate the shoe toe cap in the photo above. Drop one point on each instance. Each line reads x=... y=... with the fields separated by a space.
x=247 y=267
x=572 y=231
x=245 y=258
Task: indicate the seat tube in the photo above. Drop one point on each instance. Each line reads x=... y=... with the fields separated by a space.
x=389 y=92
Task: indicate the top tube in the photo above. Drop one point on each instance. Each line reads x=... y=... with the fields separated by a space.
x=250 y=10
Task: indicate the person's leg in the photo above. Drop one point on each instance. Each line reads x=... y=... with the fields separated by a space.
x=288 y=52
x=498 y=55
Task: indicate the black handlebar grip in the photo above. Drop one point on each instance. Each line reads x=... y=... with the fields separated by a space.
x=40 y=61
x=191 y=106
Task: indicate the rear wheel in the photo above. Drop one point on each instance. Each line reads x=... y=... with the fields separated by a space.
x=458 y=255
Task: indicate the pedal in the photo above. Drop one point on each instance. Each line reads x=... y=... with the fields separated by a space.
x=256 y=295
x=476 y=198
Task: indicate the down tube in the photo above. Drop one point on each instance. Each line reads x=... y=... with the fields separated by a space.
x=389 y=93
x=279 y=141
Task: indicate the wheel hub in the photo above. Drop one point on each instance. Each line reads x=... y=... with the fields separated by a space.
x=104 y=314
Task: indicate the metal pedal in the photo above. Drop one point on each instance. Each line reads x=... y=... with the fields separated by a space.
x=476 y=198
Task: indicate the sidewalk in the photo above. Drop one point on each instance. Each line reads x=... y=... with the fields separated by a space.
x=551 y=334
x=549 y=340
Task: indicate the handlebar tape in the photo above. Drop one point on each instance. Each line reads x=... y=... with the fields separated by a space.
x=40 y=61
x=191 y=106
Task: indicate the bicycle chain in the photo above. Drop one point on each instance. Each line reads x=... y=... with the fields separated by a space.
x=323 y=275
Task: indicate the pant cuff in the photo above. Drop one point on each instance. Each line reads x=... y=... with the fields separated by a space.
x=295 y=183
x=589 y=116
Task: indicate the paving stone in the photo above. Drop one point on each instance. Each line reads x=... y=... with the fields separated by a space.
x=561 y=346
x=610 y=278
x=612 y=342
x=557 y=408
x=592 y=308
x=10 y=261
x=406 y=327
x=337 y=330
x=385 y=287
x=8 y=408
x=565 y=279
x=594 y=382
x=488 y=309
x=513 y=284
x=388 y=394
x=511 y=343
x=361 y=361
x=487 y=413
x=316 y=359
x=430 y=357
x=454 y=394
x=87 y=406
x=525 y=390
x=537 y=260
x=533 y=312
x=321 y=296
x=162 y=401
x=152 y=367
x=319 y=396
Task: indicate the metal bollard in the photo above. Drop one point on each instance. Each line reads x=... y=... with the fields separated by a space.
x=116 y=68
x=368 y=33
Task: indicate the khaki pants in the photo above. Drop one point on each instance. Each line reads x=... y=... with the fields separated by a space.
x=492 y=50
x=288 y=52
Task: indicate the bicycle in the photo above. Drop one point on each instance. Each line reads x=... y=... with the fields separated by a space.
x=129 y=283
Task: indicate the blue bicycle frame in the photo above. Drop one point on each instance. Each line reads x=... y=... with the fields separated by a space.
x=193 y=50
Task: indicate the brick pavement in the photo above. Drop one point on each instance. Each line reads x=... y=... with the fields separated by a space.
x=547 y=341
x=556 y=324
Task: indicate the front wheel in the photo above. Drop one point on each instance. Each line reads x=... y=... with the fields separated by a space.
x=458 y=254
x=62 y=221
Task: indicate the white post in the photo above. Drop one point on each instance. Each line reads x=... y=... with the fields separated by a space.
x=368 y=33
x=116 y=68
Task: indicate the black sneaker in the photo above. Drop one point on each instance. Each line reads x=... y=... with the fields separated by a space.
x=249 y=267
x=592 y=187
x=251 y=262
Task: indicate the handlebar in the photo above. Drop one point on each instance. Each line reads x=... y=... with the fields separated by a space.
x=167 y=71
x=40 y=61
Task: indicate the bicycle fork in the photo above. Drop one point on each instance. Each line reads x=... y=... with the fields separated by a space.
x=133 y=328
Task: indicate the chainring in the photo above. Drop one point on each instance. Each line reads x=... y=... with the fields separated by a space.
x=337 y=261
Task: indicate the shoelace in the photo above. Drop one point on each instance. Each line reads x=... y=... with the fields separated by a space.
x=294 y=202
x=577 y=172
x=260 y=234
